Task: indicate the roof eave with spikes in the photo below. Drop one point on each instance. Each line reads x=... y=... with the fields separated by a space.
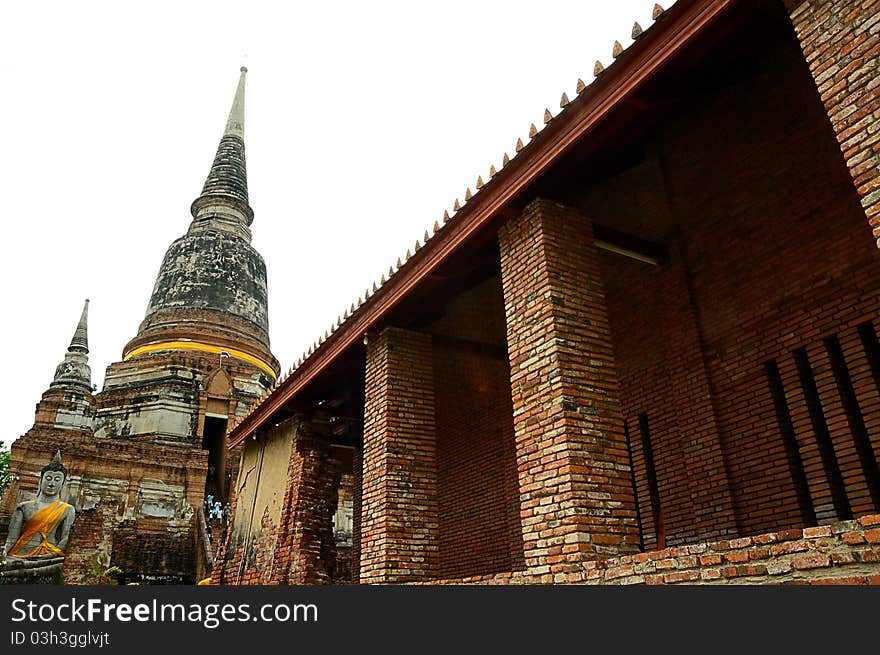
x=631 y=67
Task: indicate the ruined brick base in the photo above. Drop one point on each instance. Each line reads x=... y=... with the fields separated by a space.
x=844 y=553
x=135 y=503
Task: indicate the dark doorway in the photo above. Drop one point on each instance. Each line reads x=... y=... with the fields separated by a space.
x=214 y=442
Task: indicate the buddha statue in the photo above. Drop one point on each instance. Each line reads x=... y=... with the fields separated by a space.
x=39 y=528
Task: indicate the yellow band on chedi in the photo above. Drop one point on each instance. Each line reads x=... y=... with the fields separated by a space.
x=201 y=347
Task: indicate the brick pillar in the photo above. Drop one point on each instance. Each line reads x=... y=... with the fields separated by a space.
x=308 y=530
x=399 y=522
x=576 y=494
x=840 y=40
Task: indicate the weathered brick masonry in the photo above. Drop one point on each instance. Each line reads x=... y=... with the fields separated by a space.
x=283 y=537
x=575 y=487
x=841 y=44
x=399 y=519
x=478 y=490
x=135 y=488
x=309 y=537
x=145 y=451
x=844 y=553
x=88 y=545
x=148 y=546
x=357 y=496
x=741 y=292
x=697 y=342
x=664 y=366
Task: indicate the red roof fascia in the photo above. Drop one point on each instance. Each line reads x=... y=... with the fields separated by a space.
x=640 y=61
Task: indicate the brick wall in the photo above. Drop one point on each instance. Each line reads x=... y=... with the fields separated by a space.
x=810 y=272
x=841 y=43
x=149 y=554
x=112 y=477
x=307 y=541
x=669 y=404
x=478 y=493
x=769 y=256
x=843 y=553
x=89 y=545
x=357 y=513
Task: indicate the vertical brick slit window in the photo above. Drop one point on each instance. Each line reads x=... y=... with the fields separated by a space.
x=871 y=348
x=651 y=474
x=856 y=422
x=789 y=440
x=868 y=336
x=822 y=436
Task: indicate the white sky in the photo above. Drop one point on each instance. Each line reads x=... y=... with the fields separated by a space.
x=363 y=122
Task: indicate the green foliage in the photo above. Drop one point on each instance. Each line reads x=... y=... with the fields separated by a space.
x=101 y=573
x=4 y=468
x=111 y=575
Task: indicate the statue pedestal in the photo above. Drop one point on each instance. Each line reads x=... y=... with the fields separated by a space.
x=32 y=571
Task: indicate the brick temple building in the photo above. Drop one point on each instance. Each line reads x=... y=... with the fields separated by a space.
x=643 y=349
x=144 y=452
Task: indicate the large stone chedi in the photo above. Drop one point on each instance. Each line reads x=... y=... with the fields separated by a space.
x=211 y=288
x=209 y=300
x=149 y=447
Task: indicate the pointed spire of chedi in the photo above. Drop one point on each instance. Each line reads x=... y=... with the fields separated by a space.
x=235 y=122
x=211 y=292
x=81 y=334
x=224 y=202
x=74 y=371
